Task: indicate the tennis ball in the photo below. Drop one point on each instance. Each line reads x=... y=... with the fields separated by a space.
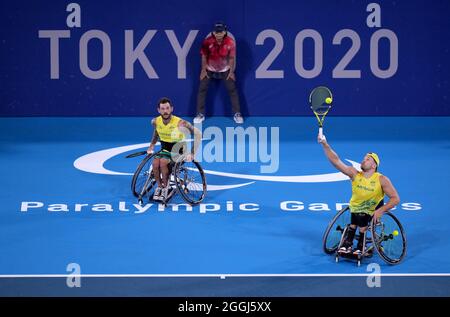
x=328 y=100
x=395 y=233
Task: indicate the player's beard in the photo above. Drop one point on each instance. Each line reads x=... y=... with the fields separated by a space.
x=366 y=169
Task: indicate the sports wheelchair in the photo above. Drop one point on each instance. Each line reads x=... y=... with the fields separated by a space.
x=386 y=236
x=186 y=178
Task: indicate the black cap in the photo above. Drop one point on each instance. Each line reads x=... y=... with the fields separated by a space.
x=219 y=27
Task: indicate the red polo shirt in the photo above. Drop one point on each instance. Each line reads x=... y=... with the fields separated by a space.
x=218 y=55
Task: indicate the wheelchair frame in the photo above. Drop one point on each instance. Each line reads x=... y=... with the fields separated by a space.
x=175 y=182
x=374 y=240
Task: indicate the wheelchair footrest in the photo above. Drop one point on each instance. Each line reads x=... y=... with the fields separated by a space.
x=367 y=254
x=349 y=255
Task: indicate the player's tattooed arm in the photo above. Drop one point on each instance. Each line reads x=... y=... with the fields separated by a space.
x=192 y=130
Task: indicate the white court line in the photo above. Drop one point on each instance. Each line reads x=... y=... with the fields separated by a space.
x=227 y=275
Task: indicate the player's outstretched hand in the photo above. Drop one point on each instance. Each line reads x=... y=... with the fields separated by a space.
x=322 y=139
x=150 y=149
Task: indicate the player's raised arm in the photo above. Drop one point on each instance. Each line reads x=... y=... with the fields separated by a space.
x=334 y=159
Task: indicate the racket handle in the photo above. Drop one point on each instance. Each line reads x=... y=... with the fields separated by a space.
x=321 y=132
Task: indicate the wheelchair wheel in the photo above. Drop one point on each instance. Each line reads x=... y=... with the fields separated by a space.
x=143 y=179
x=190 y=180
x=389 y=238
x=334 y=231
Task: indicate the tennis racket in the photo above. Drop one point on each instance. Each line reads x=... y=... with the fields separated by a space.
x=320 y=100
x=136 y=154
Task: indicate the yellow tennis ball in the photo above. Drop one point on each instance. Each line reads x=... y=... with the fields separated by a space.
x=328 y=100
x=395 y=233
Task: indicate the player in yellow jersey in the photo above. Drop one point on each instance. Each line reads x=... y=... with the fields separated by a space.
x=368 y=190
x=171 y=131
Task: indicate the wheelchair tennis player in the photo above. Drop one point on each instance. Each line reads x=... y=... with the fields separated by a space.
x=171 y=132
x=368 y=190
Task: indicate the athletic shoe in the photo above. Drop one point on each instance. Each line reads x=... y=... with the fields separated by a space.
x=165 y=193
x=359 y=248
x=157 y=194
x=357 y=251
x=199 y=118
x=345 y=250
x=238 y=118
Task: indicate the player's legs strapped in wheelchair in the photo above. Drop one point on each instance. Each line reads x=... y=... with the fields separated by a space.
x=348 y=240
x=165 y=159
x=161 y=170
x=360 y=220
x=361 y=241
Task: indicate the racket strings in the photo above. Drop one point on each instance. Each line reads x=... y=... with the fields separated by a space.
x=318 y=98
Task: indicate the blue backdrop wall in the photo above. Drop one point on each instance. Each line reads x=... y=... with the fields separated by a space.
x=116 y=58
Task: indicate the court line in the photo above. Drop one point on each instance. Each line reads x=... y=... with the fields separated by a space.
x=227 y=275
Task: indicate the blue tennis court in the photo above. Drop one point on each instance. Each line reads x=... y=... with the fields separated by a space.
x=81 y=81
x=247 y=234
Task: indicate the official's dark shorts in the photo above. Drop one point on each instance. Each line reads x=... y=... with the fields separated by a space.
x=360 y=219
x=218 y=75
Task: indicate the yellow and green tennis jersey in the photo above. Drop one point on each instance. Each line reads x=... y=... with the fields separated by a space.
x=367 y=193
x=169 y=132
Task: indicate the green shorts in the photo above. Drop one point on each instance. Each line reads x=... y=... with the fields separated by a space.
x=164 y=154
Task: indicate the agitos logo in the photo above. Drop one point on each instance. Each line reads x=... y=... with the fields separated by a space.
x=94 y=163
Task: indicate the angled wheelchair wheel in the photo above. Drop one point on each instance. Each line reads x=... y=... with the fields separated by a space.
x=190 y=181
x=143 y=179
x=333 y=233
x=389 y=238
